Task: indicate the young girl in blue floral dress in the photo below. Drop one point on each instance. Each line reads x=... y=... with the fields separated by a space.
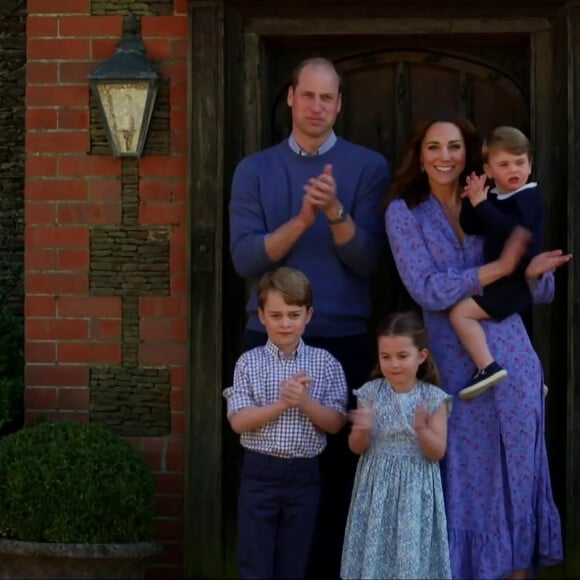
x=396 y=525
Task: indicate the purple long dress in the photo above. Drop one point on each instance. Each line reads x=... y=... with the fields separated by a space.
x=500 y=511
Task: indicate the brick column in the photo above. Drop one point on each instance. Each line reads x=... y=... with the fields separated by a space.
x=79 y=331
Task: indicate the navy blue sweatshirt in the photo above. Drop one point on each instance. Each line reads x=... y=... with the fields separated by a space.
x=497 y=216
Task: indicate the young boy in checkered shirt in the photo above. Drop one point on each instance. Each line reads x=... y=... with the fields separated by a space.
x=285 y=396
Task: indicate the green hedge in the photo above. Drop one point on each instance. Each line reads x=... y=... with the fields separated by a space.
x=73 y=483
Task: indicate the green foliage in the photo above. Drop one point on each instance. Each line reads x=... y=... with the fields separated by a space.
x=73 y=483
x=11 y=354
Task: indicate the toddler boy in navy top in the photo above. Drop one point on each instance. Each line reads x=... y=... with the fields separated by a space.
x=285 y=396
x=512 y=208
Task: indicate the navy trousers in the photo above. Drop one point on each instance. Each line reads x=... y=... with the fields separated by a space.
x=277 y=509
x=337 y=462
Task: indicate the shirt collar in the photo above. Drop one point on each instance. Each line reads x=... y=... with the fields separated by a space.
x=277 y=353
x=326 y=146
x=502 y=196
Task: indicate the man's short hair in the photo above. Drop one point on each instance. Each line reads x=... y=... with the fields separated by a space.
x=314 y=61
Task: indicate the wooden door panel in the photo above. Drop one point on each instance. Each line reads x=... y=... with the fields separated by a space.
x=496 y=104
x=432 y=90
x=371 y=125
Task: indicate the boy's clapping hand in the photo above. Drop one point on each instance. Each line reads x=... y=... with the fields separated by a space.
x=294 y=390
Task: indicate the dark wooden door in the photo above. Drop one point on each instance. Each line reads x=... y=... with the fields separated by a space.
x=387 y=85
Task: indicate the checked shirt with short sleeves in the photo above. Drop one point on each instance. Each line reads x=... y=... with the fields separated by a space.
x=258 y=376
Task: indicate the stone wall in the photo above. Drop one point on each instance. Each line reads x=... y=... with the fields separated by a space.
x=130 y=261
x=12 y=110
x=138 y=7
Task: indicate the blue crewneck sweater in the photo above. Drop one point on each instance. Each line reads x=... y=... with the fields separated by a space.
x=267 y=191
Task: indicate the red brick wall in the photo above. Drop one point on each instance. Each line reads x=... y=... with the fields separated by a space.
x=66 y=192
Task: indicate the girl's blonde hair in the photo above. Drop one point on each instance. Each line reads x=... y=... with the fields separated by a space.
x=410 y=324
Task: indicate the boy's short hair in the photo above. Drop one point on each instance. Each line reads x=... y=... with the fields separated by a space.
x=292 y=284
x=507 y=139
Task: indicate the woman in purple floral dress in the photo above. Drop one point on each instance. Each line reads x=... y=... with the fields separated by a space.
x=502 y=520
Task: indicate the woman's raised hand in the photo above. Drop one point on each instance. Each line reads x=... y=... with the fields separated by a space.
x=546 y=262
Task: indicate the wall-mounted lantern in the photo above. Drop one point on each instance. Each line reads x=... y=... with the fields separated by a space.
x=125 y=88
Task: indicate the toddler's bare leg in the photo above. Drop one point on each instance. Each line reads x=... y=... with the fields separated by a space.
x=465 y=317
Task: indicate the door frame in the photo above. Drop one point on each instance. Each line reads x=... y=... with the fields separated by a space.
x=225 y=122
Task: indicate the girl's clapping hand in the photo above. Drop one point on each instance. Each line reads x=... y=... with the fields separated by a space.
x=363 y=418
x=420 y=418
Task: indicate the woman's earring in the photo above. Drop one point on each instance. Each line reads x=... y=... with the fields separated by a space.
x=422 y=168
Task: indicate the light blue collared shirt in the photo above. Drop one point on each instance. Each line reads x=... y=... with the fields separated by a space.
x=326 y=146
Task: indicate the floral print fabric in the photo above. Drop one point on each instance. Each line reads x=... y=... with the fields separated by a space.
x=501 y=515
x=396 y=523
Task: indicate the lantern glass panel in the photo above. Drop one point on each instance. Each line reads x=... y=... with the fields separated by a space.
x=124 y=106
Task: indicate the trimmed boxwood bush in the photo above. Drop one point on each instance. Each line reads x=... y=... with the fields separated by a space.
x=73 y=483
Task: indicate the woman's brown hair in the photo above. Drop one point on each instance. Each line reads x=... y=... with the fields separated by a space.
x=410 y=181
x=411 y=324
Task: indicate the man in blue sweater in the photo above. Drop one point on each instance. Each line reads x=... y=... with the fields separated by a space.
x=313 y=203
